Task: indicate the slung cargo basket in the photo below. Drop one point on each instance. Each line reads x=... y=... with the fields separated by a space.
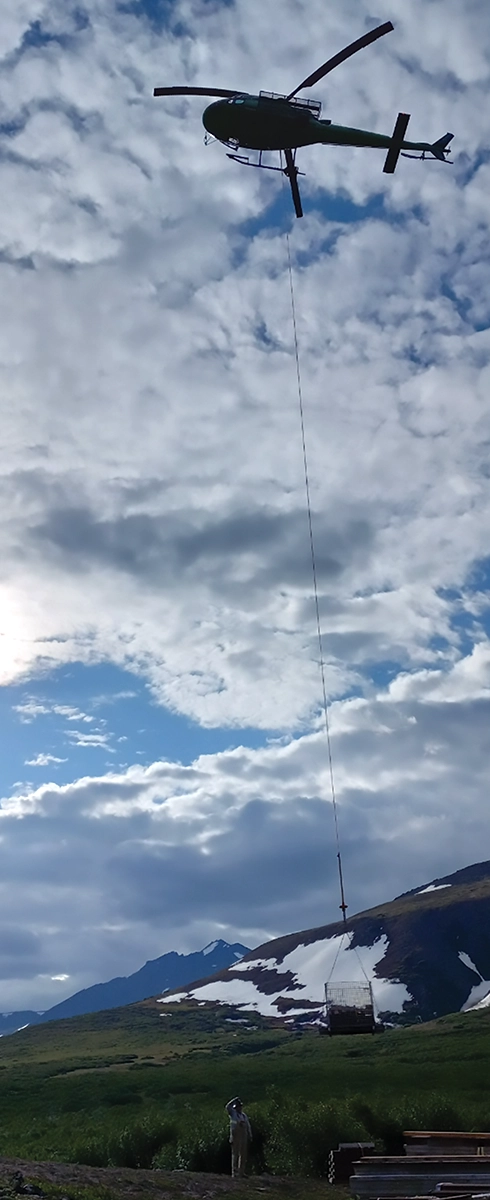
x=349 y=1008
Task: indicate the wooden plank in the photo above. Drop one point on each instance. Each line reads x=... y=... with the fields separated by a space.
x=435 y=1142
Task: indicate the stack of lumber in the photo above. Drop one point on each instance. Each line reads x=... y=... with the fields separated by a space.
x=454 y=1165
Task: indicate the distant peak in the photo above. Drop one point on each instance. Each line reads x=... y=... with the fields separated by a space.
x=236 y=948
x=213 y=946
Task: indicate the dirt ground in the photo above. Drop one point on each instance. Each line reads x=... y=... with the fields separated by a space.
x=73 y=1181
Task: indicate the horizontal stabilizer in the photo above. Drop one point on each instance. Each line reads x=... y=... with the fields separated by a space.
x=396 y=143
x=439 y=148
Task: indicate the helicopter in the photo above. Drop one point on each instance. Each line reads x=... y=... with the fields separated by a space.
x=271 y=122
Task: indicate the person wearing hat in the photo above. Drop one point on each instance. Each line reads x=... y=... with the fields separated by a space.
x=240 y=1136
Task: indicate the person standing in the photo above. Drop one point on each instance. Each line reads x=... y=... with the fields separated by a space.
x=240 y=1136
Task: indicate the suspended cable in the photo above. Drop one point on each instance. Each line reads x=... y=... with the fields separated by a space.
x=343 y=904
x=339 y=947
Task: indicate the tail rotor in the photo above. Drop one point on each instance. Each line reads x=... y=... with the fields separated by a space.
x=440 y=148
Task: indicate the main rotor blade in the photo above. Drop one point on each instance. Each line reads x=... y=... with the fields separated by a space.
x=193 y=91
x=292 y=174
x=339 y=58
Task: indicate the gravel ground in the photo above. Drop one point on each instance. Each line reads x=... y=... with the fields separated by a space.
x=123 y=1184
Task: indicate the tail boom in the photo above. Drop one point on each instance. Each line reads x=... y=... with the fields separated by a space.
x=340 y=135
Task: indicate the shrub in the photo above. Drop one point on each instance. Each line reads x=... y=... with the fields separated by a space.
x=299 y=1137
x=385 y=1129
x=134 y=1146
x=386 y=1123
x=203 y=1147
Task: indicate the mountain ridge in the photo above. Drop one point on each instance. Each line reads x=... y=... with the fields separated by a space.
x=159 y=974
x=426 y=953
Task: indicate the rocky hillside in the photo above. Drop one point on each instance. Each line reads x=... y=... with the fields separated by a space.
x=427 y=953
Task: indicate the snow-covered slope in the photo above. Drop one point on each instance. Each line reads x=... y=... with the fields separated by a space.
x=426 y=953
x=300 y=978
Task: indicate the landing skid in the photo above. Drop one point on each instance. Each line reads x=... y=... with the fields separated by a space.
x=290 y=171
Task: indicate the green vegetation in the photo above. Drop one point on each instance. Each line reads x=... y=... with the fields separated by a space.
x=132 y=1088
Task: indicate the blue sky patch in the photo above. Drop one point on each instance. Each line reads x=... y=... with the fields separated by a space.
x=89 y=720
x=38 y=36
x=161 y=14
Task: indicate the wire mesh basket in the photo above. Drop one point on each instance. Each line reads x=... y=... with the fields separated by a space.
x=348 y=995
x=349 y=1008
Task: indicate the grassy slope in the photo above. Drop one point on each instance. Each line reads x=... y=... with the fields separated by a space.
x=106 y=1071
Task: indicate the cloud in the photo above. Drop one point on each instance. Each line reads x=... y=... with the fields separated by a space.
x=44 y=760
x=30 y=710
x=71 y=713
x=90 y=740
x=243 y=841
x=107 y=698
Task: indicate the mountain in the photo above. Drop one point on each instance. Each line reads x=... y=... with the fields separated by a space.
x=10 y=1022
x=426 y=953
x=170 y=971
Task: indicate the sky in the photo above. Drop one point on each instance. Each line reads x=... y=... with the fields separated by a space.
x=164 y=772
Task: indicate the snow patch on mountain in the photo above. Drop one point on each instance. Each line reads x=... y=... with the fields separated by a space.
x=433 y=887
x=298 y=981
x=212 y=946
x=466 y=960
x=484 y=1003
x=242 y=967
x=240 y=993
x=479 y=996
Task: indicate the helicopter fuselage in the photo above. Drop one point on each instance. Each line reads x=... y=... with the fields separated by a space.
x=275 y=123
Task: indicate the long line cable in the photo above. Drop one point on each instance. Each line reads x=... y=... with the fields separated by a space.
x=343 y=904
